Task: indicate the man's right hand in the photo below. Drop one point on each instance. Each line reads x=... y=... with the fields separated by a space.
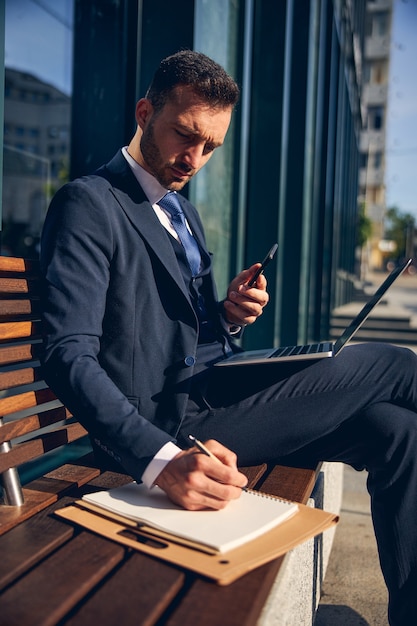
x=196 y=481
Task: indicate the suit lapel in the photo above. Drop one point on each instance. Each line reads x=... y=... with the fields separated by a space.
x=138 y=209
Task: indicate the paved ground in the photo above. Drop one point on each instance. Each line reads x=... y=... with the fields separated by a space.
x=354 y=593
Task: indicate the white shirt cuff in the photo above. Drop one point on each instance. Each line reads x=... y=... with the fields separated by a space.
x=161 y=458
x=232 y=329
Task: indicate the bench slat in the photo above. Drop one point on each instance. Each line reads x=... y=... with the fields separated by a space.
x=19 y=353
x=18 y=264
x=293 y=483
x=15 y=330
x=242 y=601
x=18 y=285
x=75 y=569
x=27 y=400
x=254 y=474
x=16 y=378
x=140 y=593
x=26 y=545
x=30 y=450
x=16 y=308
x=26 y=425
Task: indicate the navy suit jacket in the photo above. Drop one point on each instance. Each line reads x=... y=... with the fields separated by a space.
x=120 y=330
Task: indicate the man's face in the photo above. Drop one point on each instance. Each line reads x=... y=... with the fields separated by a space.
x=178 y=140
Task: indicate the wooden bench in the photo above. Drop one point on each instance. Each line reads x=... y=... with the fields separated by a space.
x=52 y=572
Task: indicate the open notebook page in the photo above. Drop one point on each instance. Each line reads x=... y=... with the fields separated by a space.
x=242 y=520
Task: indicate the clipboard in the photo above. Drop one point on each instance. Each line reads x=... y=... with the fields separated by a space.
x=223 y=568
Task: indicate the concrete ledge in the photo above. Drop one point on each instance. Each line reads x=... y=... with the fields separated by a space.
x=295 y=595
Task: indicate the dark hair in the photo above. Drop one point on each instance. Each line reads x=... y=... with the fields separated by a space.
x=187 y=67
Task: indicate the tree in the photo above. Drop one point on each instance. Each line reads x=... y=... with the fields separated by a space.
x=399 y=227
x=364 y=229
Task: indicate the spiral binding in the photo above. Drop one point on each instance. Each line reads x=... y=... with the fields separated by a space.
x=262 y=494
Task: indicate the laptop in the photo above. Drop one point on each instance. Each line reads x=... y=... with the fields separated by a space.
x=320 y=350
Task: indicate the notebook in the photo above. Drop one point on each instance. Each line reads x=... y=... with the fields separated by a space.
x=320 y=350
x=241 y=521
x=224 y=569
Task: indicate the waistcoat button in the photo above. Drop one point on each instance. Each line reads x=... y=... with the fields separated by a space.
x=189 y=361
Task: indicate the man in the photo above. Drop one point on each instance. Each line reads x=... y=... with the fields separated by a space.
x=133 y=327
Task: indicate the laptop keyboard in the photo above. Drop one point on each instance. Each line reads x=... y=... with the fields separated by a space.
x=312 y=348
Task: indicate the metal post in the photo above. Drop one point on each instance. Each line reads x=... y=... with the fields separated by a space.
x=12 y=489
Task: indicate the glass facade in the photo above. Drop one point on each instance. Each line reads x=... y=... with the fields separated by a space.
x=288 y=171
x=37 y=116
x=212 y=191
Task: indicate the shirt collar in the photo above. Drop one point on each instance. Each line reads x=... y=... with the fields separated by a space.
x=154 y=191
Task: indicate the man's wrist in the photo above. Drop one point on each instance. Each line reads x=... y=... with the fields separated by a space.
x=159 y=461
x=230 y=327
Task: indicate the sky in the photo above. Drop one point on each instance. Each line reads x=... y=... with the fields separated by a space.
x=49 y=57
x=401 y=152
x=38 y=39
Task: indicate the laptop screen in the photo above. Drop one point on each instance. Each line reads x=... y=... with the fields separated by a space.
x=363 y=314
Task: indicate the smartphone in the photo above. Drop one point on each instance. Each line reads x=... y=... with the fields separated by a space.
x=265 y=262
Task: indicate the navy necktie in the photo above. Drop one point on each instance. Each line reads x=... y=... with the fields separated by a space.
x=171 y=203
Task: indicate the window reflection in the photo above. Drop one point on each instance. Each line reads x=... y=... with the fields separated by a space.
x=37 y=116
x=212 y=189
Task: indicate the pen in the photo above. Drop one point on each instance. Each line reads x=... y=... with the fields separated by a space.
x=207 y=452
x=203 y=448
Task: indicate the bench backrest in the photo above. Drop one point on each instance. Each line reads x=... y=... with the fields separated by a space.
x=32 y=420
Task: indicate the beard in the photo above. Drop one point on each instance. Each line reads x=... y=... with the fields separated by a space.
x=156 y=166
